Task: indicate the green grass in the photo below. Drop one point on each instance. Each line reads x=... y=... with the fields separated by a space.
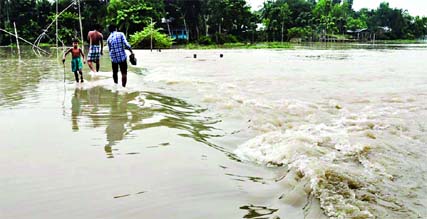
x=404 y=41
x=47 y=44
x=266 y=45
x=339 y=36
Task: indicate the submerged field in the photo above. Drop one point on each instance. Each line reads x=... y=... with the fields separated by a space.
x=311 y=132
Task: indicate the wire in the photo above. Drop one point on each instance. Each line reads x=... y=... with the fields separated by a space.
x=40 y=37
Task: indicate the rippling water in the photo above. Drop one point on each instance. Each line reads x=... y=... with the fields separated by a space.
x=314 y=132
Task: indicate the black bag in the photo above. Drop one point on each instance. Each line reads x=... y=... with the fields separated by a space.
x=132 y=59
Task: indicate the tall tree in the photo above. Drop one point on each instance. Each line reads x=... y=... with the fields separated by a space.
x=133 y=15
x=229 y=16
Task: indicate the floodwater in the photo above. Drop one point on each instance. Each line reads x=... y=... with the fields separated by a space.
x=312 y=132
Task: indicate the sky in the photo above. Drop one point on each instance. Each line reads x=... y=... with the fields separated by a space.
x=415 y=7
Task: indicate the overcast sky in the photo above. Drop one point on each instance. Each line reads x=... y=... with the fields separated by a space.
x=415 y=7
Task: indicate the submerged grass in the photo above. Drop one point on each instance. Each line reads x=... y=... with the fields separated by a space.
x=280 y=45
x=265 y=45
x=403 y=41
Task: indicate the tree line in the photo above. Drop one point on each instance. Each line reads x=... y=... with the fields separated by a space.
x=209 y=21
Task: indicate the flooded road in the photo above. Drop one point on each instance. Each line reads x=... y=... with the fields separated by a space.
x=304 y=133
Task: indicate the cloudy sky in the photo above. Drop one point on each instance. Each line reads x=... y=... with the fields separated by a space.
x=415 y=7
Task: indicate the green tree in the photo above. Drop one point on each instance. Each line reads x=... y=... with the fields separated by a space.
x=70 y=27
x=94 y=12
x=189 y=14
x=397 y=20
x=229 y=16
x=300 y=32
x=276 y=16
x=356 y=23
x=23 y=14
x=418 y=27
x=133 y=15
x=143 y=39
x=333 y=15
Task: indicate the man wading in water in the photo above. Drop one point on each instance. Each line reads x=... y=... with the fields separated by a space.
x=95 y=47
x=117 y=44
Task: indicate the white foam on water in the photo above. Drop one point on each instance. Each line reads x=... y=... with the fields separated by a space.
x=342 y=172
x=105 y=80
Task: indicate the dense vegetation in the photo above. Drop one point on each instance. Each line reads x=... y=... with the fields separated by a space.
x=210 y=21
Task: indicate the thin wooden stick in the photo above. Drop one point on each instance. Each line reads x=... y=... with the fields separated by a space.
x=25 y=41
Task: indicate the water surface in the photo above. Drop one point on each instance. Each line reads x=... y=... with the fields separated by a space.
x=313 y=132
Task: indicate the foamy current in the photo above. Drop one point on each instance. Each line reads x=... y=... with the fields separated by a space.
x=347 y=126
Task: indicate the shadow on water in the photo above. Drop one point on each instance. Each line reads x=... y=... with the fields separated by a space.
x=124 y=113
x=259 y=212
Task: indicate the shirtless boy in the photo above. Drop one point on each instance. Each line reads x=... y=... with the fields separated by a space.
x=76 y=62
x=95 y=47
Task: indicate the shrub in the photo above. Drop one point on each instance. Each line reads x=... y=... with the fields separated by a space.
x=299 y=32
x=142 y=38
x=205 y=40
x=231 y=39
x=225 y=38
x=219 y=38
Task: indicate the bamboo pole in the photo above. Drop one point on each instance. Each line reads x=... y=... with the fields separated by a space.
x=81 y=27
x=11 y=34
x=56 y=32
x=17 y=41
x=151 y=36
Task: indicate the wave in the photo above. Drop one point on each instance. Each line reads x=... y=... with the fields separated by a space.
x=344 y=162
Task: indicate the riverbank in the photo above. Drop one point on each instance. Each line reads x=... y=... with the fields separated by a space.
x=265 y=45
x=290 y=45
x=401 y=41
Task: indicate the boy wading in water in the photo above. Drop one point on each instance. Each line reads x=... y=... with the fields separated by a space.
x=76 y=62
x=95 y=48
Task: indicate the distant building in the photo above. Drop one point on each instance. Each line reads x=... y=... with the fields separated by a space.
x=179 y=34
x=365 y=34
x=360 y=34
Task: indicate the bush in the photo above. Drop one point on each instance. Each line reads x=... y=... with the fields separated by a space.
x=225 y=38
x=180 y=41
x=300 y=32
x=231 y=39
x=219 y=38
x=205 y=40
x=142 y=38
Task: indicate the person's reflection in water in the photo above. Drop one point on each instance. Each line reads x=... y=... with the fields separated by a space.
x=94 y=99
x=122 y=113
x=76 y=109
x=116 y=125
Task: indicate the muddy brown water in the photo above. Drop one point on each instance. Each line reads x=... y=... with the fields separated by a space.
x=312 y=132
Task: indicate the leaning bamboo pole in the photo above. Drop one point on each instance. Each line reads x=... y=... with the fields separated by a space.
x=11 y=34
x=56 y=31
x=17 y=41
